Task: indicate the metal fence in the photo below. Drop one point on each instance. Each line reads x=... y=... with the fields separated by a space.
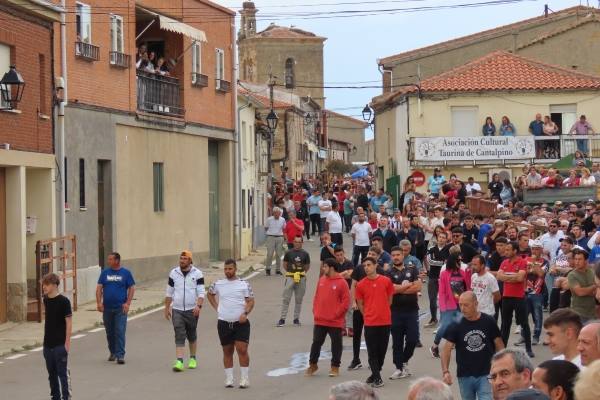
x=158 y=94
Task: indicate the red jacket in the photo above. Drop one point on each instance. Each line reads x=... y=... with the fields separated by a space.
x=332 y=299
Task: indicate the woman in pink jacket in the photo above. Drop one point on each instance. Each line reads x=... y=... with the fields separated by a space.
x=453 y=282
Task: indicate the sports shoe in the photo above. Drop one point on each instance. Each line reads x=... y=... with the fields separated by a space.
x=112 y=357
x=419 y=344
x=518 y=330
x=398 y=374
x=530 y=354
x=535 y=341
x=406 y=370
x=178 y=366
x=297 y=322
x=377 y=383
x=370 y=380
x=120 y=361
x=435 y=351
x=229 y=382
x=521 y=342
x=350 y=332
x=281 y=323
x=192 y=364
x=311 y=239
x=268 y=272
x=334 y=372
x=310 y=371
x=278 y=272
x=244 y=383
x=354 y=365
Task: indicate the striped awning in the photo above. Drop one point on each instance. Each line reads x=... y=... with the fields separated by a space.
x=172 y=25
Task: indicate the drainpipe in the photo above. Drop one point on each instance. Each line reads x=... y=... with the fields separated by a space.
x=61 y=118
x=237 y=237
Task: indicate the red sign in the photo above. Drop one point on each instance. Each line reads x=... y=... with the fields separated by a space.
x=418 y=178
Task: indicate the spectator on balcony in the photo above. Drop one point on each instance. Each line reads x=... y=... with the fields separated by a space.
x=488 y=129
x=586 y=178
x=507 y=128
x=550 y=180
x=534 y=180
x=596 y=172
x=141 y=51
x=495 y=186
x=582 y=127
x=536 y=127
x=162 y=67
x=573 y=180
x=550 y=128
x=579 y=159
x=507 y=193
x=144 y=64
x=472 y=187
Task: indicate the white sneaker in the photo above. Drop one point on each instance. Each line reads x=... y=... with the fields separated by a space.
x=228 y=382
x=311 y=240
x=406 y=371
x=397 y=374
x=518 y=330
x=244 y=383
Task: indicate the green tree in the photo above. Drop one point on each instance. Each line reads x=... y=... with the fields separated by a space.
x=339 y=167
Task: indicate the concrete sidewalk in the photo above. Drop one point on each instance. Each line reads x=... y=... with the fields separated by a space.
x=16 y=337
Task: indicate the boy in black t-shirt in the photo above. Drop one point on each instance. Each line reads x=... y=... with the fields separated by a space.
x=57 y=337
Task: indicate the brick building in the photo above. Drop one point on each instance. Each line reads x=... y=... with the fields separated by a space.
x=27 y=212
x=149 y=156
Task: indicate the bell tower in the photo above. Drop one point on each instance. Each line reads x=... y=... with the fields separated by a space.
x=247 y=20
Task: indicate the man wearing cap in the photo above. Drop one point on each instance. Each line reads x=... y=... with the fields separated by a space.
x=435 y=182
x=183 y=302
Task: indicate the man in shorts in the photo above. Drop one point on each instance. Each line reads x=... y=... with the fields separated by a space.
x=183 y=301
x=233 y=299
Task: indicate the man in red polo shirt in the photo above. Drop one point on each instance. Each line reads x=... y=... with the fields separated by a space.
x=294 y=227
x=513 y=272
x=374 y=296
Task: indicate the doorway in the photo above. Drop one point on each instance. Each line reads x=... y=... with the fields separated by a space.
x=104 y=211
x=3 y=267
x=213 y=200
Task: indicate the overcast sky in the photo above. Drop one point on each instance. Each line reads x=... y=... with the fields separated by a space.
x=355 y=43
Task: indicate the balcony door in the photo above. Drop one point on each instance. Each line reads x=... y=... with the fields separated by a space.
x=465 y=121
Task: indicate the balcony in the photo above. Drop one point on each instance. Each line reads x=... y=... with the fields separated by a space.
x=119 y=60
x=199 y=80
x=158 y=94
x=87 y=51
x=486 y=150
x=223 y=86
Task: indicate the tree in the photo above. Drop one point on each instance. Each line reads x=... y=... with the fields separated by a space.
x=339 y=167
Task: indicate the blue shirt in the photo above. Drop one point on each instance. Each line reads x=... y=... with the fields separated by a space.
x=536 y=127
x=595 y=254
x=412 y=261
x=115 y=284
x=313 y=204
x=483 y=230
x=435 y=183
x=376 y=201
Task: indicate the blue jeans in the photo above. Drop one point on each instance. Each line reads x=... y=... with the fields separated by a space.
x=535 y=308
x=582 y=145
x=115 y=324
x=58 y=372
x=446 y=318
x=405 y=333
x=475 y=387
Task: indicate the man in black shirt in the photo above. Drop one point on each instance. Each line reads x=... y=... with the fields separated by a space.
x=296 y=264
x=405 y=312
x=470 y=231
x=467 y=251
x=387 y=235
x=362 y=200
x=57 y=337
x=436 y=258
x=477 y=338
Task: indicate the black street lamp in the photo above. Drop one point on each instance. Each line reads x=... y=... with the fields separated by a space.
x=272 y=120
x=367 y=113
x=11 y=87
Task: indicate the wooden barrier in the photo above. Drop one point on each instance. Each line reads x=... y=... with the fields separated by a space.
x=479 y=206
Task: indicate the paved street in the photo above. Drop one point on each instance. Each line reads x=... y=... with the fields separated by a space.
x=150 y=352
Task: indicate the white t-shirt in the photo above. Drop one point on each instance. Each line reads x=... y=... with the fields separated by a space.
x=576 y=360
x=361 y=232
x=469 y=188
x=335 y=222
x=324 y=203
x=484 y=287
x=275 y=226
x=551 y=243
x=232 y=298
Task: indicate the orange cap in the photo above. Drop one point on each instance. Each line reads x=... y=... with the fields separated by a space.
x=187 y=253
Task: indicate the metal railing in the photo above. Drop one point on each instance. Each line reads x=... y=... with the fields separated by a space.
x=158 y=94
x=87 y=51
x=119 y=59
x=199 y=80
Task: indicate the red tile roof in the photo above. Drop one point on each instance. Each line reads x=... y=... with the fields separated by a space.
x=263 y=100
x=498 y=31
x=283 y=32
x=501 y=71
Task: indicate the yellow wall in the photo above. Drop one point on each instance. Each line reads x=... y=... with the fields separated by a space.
x=141 y=232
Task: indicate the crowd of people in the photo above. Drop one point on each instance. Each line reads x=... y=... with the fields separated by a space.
x=481 y=272
x=150 y=62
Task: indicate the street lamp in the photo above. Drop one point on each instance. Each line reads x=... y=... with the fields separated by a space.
x=272 y=120
x=12 y=82
x=367 y=113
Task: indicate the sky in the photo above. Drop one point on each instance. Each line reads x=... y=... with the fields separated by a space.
x=355 y=43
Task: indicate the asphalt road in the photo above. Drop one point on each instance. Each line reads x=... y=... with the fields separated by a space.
x=278 y=356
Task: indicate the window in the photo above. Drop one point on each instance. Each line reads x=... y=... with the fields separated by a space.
x=244 y=138
x=465 y=121
x=81 y=183
x=158 y=185
x=4 y=67
x=290 y=81
x=83 y=20
x=43 y=110
x=564 y=116
x=244 y=208
x=116 y=34
x=196 y=59
x=220 y=64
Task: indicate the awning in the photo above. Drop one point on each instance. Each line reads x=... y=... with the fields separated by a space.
x=172 y=25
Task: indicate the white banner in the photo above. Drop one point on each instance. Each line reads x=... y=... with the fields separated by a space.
x=474 y=148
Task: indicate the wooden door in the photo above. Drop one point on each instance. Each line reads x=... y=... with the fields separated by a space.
x=3 y=268
x=213 y=200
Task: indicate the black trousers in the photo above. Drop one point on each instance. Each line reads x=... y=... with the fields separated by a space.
x=315 y=221
x=320 y=332
x=357 y=327
x=359 y=251
x=307 y=227
x=554 y=300
x=405 y=333
x=58 y=372
x=337 y=238
x=377 y=339
x=433 y=286
x=517 y=306
x=348 y=222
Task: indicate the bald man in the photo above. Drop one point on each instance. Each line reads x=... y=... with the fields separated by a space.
x=429 y=388
x=476 y=338
x=588 y=343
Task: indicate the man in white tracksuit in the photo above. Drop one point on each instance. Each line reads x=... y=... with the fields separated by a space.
x=183 y=302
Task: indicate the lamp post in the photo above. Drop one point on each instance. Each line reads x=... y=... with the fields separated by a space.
x=11 y=87
x=272 y=120
x=367 y=113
